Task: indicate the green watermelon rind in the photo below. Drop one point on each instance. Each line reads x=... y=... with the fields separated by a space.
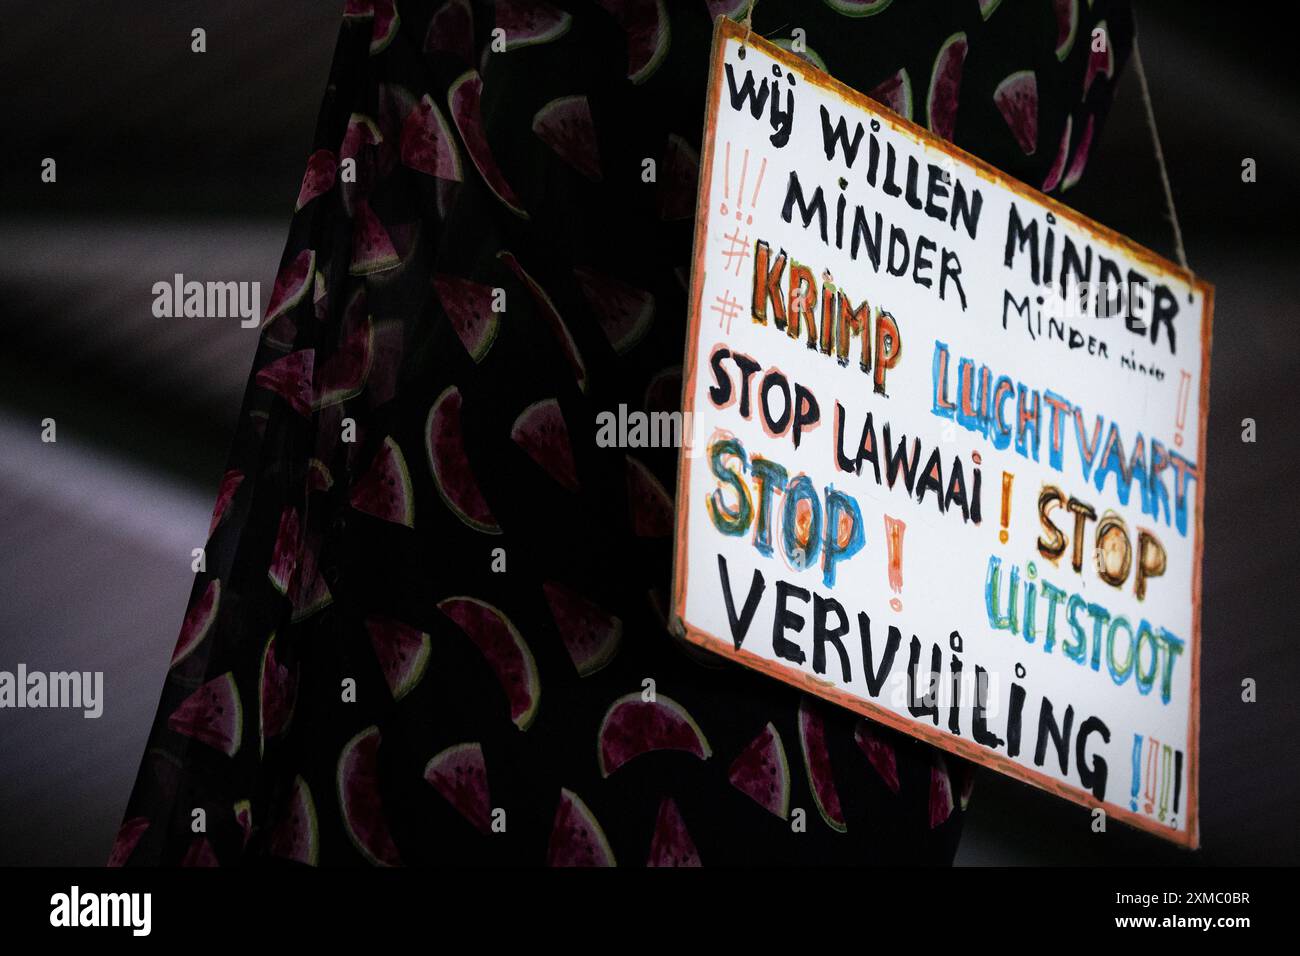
x=445 y=756
x=557 y=29
x=533 y=685
x=905 y=84
x=778 y=746
x=579 y=809
x=662 y=43
x=415 y=669
x=197 y=635
x=1005 y=93
x=261 y=703
x=838 y=824
x=380 y=44
x=661 y=700
x=989 y=7
x=1064 y=46
x=940 y=61
x=809 y=55
x=407 y=516
x=236 y=734
x=439 y=478
x=342 y=788
x=302 y=793
x=858 y=8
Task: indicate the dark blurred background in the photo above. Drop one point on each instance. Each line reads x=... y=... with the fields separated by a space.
x=170 y=161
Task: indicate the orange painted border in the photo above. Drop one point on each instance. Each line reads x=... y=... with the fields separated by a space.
x=725 y=29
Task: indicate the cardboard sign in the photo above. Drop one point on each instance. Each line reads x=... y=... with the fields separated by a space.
x=949 y=438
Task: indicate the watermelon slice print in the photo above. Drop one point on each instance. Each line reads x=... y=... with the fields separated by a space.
x=230 y=483
x=762 y=773
x=284 y=556
x=590 y=635
x=290 y=378
x=634 y=726
x=645 y=23
x=624 y=312
x=463 y=102
x=817 y=763
x=384 y=491
x=469 y=309
x=540 y=431
x=277 y=692
x=895 y=91
x=671 y=845
x=291 y=284
x=198 y=622
x=296 y=835
x=945 y=86
x=427 y=144
x=359 y=798
x=1016 y=98
x=451 y=32
x=318 y=178
x=459 y=773
x=879 y=752
x=530 y=23
x=402 y=652
x=505 y=651
x=212 y=715
x=1067 y=26
x=576 y=837
x=564 y=124
x=858 y=8
x=450 y=466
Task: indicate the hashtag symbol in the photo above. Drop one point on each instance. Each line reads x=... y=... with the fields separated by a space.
x=728 y=307
x=737 y=251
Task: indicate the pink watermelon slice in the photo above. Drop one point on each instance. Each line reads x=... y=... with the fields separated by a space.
x=343 y=375
x=359 y=139
x=363 y=811
x=624 y=312
x=505 y=651
x=1016 y=98
x=290 y=378
x=645 y=22
x=296 y=835
x=1062 y=156
x=664 y=393
x=590 y=635
x=451 y=31
x=318 y=476
x=463 y=101
x=761 y=772
x=372 y=248
x=469 y=309
x=576 y=837
x=540 y=431
x=278 y=694
x=284 y=556
x=402 y=651
x=651 y=508
x=1067 y=26
x=1080 y=160
x=565 y=125
x=427 y=144
x=880 y=754
x=200 y=854
x=212 y=715
x=671 y=845
x=817 y=762
x=385 y=490
x=244 y=818
x=941 y=802
x=858 y=8
x=450 y=465
x=386 y=20
x=318 y=178
x=895 y=92
x=634 y=726
x=128 y=838
x=459 y=773
x=230 y=483
x=679 y=181
x=291 y=284
x=945 y=86
x=198 y=622
x=308 y=590
x=1100 y=62
x=552 y=317
x=529 y=23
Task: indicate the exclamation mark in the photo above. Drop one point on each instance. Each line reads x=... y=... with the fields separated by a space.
x=1184 y=393
x=1137 y=771
x=894 y=542
x=1007 y=478
x=1178 y=783
x=1149 y=794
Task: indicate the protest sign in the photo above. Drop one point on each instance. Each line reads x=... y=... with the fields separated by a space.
x=949 y=438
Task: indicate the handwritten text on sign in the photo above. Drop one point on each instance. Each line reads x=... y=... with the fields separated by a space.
x=948 y=445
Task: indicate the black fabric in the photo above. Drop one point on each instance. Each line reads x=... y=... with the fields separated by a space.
x=586 y=538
